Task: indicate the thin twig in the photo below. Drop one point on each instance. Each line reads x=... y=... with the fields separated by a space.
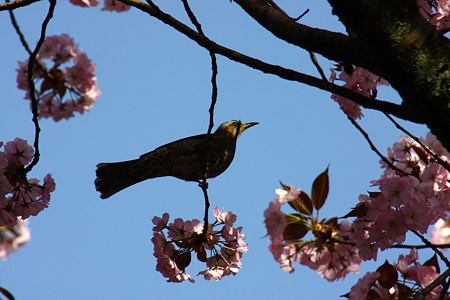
x=432 y=246
x=432 y=286
x=443 y=163
x=16 y=4
x=317 y=65
x=404 y=246
x=214 y=92
x=288 y=74
x=34 y=101
x=372 y=146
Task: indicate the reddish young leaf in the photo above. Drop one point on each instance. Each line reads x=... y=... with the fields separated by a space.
x=320 y=189
x=295 y=229
x=433 y=262
x=388 y=275
x=183 y=260
x=359 y=211
x=302 y=204
x=404 y=291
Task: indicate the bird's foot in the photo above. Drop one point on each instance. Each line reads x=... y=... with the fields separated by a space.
x=203 y=184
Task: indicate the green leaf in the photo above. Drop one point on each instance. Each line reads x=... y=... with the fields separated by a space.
x=320 y=189
x=388 y=275
x=302 y=204
x=6 y=293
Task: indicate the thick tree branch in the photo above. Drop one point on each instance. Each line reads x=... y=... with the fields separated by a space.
x=279 y=71
x=16 y=4
x=332 y=45
x=415 y=56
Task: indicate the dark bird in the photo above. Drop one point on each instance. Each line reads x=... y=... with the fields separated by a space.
x=188 y=159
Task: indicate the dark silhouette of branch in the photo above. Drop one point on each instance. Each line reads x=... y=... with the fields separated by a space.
x=372 y=146
x=16 y=4
x=443 y=163
x=214 y=92
x=441 y=279
x=288 y=74
x=34 y=102
x=435 y=249
x=404 y=246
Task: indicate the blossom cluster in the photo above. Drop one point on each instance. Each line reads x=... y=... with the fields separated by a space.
x=385 y=284
x=436 y=12
x=358 y=80
x=413 y=195
x=330 y=253
x=67 y=84
x=221 y=248
x=108 y=5
x=19 y=196
x=12 y=238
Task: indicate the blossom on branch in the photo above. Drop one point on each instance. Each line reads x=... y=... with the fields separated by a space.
x=331 y=251
x=109 y=5
x=19 y=196
x=221 y=248
x=358 y=80
x=67 y=82
x=413 y=196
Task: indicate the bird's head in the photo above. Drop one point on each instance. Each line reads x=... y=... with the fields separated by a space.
x=234 y=128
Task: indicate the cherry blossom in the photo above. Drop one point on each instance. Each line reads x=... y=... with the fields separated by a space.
x=12 y=238
x=19 y=196
x=66 y=77
x=360 y=81
x=174 y=243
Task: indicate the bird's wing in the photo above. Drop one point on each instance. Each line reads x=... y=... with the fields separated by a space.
x=181 y=146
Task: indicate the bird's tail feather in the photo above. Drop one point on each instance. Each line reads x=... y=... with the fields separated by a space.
x=114 y=177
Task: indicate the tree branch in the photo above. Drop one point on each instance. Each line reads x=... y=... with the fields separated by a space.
x=16 y=4
x=34 y=101
x=332 y=45
x=288 y=74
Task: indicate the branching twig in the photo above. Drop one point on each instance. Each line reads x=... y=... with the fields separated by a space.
x=372 y=146
x=317 y=65
x=432 y=246
x=214 y=92
x=288 y=74
x=443 y=163
x=34 y=102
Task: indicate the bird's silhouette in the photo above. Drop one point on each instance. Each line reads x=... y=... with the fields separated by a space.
x=188 y=159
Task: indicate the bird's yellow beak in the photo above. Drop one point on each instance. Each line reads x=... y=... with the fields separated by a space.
x=244 y=126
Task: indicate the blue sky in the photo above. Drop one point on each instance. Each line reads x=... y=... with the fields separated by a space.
x=155 y=88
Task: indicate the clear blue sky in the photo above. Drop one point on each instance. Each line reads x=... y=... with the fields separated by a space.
x=155 y=89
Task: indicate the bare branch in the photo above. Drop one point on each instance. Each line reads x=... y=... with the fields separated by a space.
x=288 y=74
x=34 y=102
x=16 y=4
x=372 y=146
x=443 y=163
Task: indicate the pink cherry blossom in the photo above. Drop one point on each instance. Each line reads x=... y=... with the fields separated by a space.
x=114 y=5
x=19 y=152
x=441 y=232
x=64 y=78
x=361 y=289
x=11 y=239
x=225 y=246
x=85 y=3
